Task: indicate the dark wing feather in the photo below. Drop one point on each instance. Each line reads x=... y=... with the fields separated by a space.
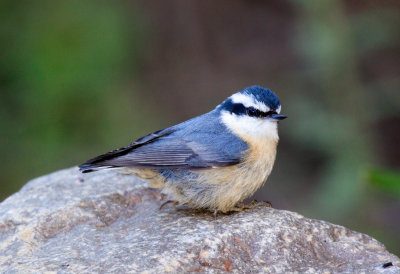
x=172 y=155
x=99 y=161
x=160 y=151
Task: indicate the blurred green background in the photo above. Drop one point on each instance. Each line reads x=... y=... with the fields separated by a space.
x=79 y=78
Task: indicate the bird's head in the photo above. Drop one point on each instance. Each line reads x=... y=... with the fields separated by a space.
x=252 y=113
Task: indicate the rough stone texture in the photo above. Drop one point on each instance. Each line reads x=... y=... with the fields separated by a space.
x=108 y=222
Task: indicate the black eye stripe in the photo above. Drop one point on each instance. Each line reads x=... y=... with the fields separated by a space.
x=258 y=113
x=240 y=109
x=270 y=113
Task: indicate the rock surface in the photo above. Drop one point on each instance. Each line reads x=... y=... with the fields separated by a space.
x=108 y=222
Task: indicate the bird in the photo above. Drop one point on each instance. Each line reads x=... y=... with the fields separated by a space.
x=213 y=161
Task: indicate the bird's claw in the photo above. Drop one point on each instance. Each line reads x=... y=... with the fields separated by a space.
x=241 y=206
x=174 y=203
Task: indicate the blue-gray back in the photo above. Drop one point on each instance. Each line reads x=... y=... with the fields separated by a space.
x=201 y=142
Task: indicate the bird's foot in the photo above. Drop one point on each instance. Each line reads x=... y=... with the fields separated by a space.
x=241 y=206
x=174 y=203
x=215 y=213
x=265 y=203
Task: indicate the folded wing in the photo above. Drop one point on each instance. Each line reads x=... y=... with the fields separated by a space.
x=161 y=150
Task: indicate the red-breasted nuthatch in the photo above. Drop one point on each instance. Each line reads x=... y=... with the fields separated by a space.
x=212 y=161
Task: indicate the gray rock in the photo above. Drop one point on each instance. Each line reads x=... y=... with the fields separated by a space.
x=108 y=222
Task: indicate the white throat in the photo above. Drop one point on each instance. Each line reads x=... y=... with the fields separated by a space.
x=250 y=128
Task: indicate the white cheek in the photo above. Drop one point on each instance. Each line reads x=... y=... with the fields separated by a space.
x=250 y=127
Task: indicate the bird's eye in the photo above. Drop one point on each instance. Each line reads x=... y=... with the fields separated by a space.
x=252 y=111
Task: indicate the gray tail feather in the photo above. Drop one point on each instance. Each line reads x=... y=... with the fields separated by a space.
x=100 y=162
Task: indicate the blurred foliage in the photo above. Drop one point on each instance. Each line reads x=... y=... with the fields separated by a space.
x=61 y=71
x=328 y=41
x=387 y=181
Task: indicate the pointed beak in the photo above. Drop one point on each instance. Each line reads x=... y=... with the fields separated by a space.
x=276 y=117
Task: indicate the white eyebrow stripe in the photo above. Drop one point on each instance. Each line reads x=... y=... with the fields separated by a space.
x=249 y=101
